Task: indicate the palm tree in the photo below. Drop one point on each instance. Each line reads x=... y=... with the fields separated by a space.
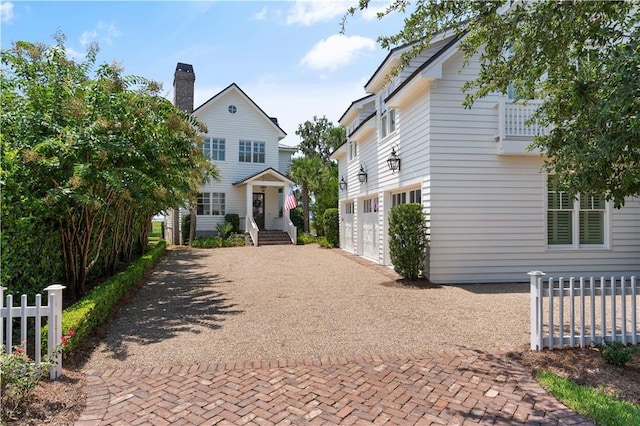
x=306 y=172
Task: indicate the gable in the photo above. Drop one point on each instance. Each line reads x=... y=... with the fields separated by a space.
x=232 y=104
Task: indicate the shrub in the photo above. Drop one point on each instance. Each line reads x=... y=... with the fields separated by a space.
x=408 y=243
x=323 y=242
x=305 y=238
x=616 y=353
x=234 y=220
x=20 y=375
x=332 y=226
x=297 y=219
x=211 y=242
x=224 y=229
x=93 y=309
x=234 y=240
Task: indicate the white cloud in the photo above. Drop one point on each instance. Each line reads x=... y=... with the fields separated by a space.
x=261 y=15
x=336 y=51
x=6 y=12
x=310 y=12
x=103 y=32
x=371 y=12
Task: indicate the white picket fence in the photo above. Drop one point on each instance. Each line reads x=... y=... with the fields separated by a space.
x=583 y=311
x=52 y=311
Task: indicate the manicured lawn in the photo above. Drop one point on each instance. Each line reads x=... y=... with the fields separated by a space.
x=156 y=232
x=603 y=409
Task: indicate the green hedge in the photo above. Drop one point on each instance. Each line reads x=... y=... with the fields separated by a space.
x=408 y=243
x=332 y=226
x=94 y=308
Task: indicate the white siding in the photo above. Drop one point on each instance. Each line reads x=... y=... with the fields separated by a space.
x=246 y=124
x=488 y=218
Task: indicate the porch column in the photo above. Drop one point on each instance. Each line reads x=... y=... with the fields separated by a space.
x=249 y=194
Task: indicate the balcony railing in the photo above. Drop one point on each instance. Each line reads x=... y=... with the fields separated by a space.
x=515 y=132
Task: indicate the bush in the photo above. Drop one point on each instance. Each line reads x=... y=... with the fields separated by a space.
x=305 y=238
x=224 y=229
x=616 y=353
x=234 y=220
x=20 y=375
x=297 y=219
x=93 y=309
x=332 y=226
x=234 y=240
x=408 y=243
x=185 y=228
x=323 y=242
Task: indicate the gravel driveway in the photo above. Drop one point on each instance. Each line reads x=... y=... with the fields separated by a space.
x=251 y=303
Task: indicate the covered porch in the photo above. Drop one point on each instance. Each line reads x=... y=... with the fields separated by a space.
x=265 y=193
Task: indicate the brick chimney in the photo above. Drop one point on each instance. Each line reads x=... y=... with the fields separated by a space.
x=183 y=82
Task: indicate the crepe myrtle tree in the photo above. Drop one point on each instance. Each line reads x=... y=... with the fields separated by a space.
x=102 y=151
x=582 y=58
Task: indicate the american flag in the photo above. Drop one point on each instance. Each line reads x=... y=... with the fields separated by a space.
x=290 y=202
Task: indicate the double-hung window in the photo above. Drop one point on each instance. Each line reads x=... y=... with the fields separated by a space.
x=251 y=152
x=576 y=222
x=388 y=117
x=214 y=149
x=203 y=204
x=210 y=203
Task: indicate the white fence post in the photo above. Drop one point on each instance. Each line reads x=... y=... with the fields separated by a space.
x=536 y=309
x=55 y=328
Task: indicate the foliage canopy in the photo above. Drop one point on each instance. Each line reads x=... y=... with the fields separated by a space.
x=91 y=153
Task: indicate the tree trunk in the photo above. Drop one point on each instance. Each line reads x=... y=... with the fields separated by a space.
x=305 y=206
x=192 y=229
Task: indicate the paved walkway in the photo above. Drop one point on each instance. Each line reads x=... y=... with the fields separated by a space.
x=455 y=387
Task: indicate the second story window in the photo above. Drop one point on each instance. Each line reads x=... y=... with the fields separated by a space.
x=251 y=152
x=214 y=149
x=388 y=116
x=353 y=150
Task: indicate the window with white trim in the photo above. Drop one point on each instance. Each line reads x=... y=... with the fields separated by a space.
x=349 y=208
x=370 y=205
x=588 y=211
x=353 y=150
x=203 y=204
x=210 y=204
x=214 y=149
x=251 y=152
x=413 y=196
x=388 y=117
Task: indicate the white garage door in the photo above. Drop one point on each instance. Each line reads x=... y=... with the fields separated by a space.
x=370 y=228
x=347 y=229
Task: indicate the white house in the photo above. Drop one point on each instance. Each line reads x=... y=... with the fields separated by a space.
x=491 y=213
x=244 y=143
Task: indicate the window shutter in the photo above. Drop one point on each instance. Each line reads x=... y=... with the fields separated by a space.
x=559 y=227
x=592 y=219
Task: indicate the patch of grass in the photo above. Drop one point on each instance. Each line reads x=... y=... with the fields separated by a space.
x=604 y=410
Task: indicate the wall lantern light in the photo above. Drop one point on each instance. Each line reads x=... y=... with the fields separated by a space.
x=342 y=184
x=393 y=161
x=362 y=175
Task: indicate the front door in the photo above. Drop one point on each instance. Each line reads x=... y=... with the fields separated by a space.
x=258 y=209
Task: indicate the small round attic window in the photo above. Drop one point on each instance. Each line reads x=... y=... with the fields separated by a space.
x=232 y=109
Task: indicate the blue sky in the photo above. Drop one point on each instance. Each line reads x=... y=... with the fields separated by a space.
x=288 y=56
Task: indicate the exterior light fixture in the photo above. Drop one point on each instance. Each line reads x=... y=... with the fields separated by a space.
x=394 y=160
x=342 y=184
x=362 y=175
